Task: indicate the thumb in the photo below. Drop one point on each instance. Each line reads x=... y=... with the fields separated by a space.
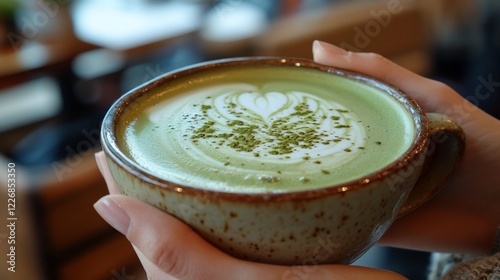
x=164 y=241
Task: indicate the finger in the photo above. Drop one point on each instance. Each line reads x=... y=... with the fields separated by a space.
x=368 y=63
x=165 y=241
x=100 y=158
x=431 y=95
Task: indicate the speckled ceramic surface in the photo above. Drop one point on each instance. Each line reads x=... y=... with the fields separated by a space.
x=336 y=224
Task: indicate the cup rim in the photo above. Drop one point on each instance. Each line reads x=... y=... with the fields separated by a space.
x=111 y=148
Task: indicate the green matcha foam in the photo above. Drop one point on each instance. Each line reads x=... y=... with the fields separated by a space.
x=266 y=129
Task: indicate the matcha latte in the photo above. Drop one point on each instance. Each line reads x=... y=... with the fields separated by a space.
x=265 y=129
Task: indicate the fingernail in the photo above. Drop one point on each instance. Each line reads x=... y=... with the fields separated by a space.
x=113 y=214
x=320 y=45
x=97 y=157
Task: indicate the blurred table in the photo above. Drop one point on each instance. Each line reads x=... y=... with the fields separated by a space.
x=131 y=27
x=34 y=58
x=134 y=26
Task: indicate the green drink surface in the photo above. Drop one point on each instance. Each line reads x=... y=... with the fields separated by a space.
x=264 y=129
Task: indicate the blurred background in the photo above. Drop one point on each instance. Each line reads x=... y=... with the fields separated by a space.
x=64 y=62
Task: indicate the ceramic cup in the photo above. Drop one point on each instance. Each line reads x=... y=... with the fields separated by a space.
x=333 y=224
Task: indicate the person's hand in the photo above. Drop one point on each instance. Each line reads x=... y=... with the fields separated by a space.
x=464 y=216
x=169 y=249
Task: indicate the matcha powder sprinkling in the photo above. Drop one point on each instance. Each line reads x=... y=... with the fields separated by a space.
x=282 y=136
x=303 y=129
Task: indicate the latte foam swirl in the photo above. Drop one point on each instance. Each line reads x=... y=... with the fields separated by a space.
x=247 y=128
x=264 y=129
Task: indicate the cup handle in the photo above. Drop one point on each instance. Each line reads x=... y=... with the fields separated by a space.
x=445 y=150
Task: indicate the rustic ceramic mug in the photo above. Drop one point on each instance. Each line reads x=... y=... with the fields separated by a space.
x=334 y=223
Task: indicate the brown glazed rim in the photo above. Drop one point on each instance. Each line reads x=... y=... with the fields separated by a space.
x=111 y=147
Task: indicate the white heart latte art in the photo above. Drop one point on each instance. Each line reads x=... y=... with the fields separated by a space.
x=244 y=128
